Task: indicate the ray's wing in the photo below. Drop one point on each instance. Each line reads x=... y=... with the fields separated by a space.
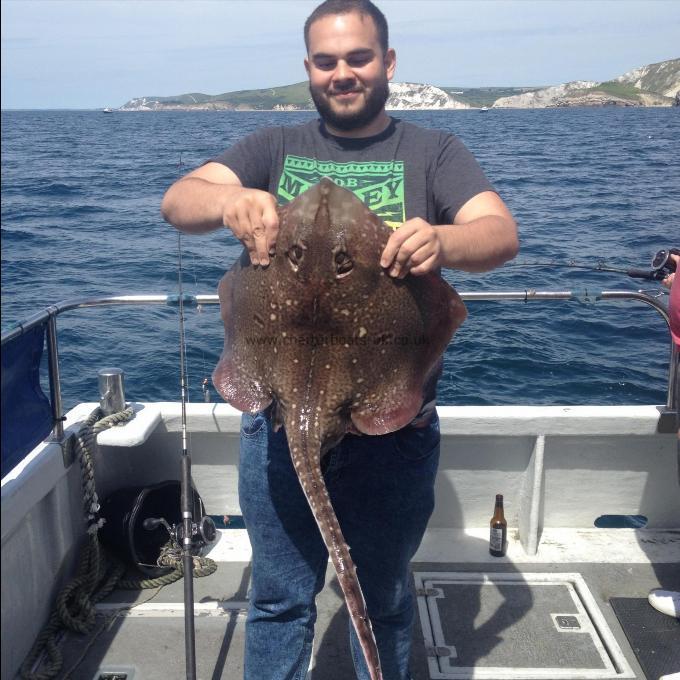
x=405 y=347
x=241 y=375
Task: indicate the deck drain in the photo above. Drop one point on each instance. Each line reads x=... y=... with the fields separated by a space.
x=544 y=626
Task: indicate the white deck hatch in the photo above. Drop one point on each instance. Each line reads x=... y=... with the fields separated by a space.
x=535 y=626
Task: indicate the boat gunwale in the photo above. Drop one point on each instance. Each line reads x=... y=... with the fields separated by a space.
x=526 y=295
x=48 y=316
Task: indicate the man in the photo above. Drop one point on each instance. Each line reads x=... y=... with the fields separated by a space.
x=428 y=187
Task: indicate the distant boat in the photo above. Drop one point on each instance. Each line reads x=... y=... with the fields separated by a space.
x=484 y=109
x=108 y=110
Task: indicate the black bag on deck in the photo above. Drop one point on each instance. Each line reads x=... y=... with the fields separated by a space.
x=125 y=511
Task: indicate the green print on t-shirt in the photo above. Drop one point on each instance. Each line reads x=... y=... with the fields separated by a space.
x=379 y=184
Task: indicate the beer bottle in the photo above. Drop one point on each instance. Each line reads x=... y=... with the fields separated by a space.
x=499 y=530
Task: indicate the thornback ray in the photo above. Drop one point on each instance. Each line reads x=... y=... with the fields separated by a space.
x=335 y=344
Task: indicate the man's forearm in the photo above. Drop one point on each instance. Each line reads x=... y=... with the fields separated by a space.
x=195 y=205
x=480 y=245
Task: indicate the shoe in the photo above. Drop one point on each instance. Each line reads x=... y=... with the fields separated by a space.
x=666 y=602
x=672 y=676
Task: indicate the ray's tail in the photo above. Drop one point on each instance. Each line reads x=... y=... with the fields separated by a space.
x=305 y=453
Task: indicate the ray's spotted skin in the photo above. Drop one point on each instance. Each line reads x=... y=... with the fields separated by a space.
x=336 y=344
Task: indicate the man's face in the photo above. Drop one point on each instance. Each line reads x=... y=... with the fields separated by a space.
x=348 y=73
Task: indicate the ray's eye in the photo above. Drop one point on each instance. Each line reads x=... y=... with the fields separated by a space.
x=343 y=264
x=295 y=253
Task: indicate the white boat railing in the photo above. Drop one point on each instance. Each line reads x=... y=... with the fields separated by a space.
x=49 y=315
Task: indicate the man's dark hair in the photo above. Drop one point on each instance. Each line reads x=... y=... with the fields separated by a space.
x=362 y=7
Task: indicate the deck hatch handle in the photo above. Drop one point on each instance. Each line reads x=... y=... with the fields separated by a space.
x=567 y=622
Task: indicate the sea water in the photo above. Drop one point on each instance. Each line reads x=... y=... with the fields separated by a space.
x=80 y=218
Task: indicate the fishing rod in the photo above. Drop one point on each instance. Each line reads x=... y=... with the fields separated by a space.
x=187 y=500
x=662 y=265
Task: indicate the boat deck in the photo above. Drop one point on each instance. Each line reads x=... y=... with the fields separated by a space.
x=493 y=619
x=568 y=602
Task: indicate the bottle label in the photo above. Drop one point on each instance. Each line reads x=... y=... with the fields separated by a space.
x=496 y=539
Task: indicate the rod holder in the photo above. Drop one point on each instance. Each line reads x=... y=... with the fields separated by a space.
x=111 y=390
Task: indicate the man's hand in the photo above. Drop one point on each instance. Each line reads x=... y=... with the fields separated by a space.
x=212 y=197
x=482 y=237
x=251 y=215
x=413 y=248
x=668 y=281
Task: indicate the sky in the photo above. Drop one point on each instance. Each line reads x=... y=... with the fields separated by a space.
x=86 y=54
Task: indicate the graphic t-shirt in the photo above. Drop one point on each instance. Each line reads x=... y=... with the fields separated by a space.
x=405 y=171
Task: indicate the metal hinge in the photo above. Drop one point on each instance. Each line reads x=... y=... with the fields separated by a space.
x=113 y=673
x=429 y=592
x=68 y=450
x=441 y=651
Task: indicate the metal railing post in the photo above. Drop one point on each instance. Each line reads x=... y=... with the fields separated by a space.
x=674 y=380
x=55 y=381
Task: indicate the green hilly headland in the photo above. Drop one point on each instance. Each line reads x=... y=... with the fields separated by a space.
x=651 y=85
x=477 y=97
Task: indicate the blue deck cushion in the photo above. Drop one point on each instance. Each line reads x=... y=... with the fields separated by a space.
x=26 y=411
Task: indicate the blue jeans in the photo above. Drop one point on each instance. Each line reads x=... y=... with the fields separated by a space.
x=382 y=490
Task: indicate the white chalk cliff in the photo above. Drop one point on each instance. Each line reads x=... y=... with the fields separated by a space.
x=415 y=96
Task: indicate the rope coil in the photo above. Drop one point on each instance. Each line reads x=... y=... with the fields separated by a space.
x=98 y=573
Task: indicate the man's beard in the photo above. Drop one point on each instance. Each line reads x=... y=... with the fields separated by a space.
x=352 y=120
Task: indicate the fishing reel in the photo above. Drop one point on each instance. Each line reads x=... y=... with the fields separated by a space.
x=662 y=265
x=203 y=532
